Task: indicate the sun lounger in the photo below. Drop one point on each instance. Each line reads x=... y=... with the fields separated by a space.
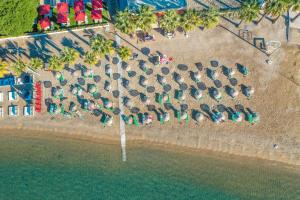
x=13 y=110
x=1 y=111
x=12 y=96
x=28 y=111
x=1 y=96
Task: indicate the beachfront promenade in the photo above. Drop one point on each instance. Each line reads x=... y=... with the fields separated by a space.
x=202 y=46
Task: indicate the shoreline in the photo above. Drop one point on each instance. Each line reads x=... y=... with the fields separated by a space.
x=113 y=139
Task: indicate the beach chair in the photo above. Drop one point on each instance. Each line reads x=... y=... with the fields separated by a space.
x=1 y=111
x=52 y=108
x=28 y=111
x=12 y=96
x=1 y=97
x=178 y=115
x=244 y=71
x=61 y=94
x=161 y=118
x=106 y=119
x=179 y=95
x=106 y=102
x=126 y=120
x=135 y=121
x=13 y=110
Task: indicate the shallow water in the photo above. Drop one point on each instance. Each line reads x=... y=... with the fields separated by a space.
x=56 y=168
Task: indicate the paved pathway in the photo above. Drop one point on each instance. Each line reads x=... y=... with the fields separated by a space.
x=122 y=124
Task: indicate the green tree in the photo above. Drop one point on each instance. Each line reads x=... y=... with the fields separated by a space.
x=69 y=55
x=170 y=21
x=18 y=67
x=90 y=58
x=126 y=22
x=210 y=18
x=249 y=10
x=36 y=64
x=3 y=68
x=189 y=20
x=56 y=64
x=125 y=53
x=101 y=46
x=294 y=5
x=276 y=8
x=145 y=18
x=17 y=16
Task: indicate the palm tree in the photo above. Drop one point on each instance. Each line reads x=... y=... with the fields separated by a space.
x=36 y=64
x=90 y=58
x=294 y=5
x=196 y=17
x=210 y=18
x=124 y=53
x=126 y=22
x=3 y=68
x=69 y=55
x=101 y=46
x=276 y=8
x=189 y=21
x=56 y=64
x=108 y=48
x=145 y=18
x=18 y=67
x=169 y=21
x=249 y=10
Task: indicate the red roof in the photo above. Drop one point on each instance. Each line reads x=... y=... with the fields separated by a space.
x=80 y=16
x=62 y=7
x=78 y=5
x=96 y=14
x=45 y=23
x=96 y=4
x=62 y=18
x=44 y=9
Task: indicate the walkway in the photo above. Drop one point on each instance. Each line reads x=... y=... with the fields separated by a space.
x=120 y=89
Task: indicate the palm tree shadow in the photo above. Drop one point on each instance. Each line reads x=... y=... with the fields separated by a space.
x=71 y=44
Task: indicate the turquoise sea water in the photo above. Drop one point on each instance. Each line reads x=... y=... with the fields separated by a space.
x=51 y=168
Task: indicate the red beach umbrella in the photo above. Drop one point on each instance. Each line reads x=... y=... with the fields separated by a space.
x=96 y=14
x=62 y=7
x=45 y=23
x=78 y=6
x=62 y=18
x=80 y=16
x=44 y=9
x=97 y=4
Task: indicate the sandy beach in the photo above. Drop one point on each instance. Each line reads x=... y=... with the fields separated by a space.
x=276 y=98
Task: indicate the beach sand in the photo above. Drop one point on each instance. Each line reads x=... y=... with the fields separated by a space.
x=276 y=99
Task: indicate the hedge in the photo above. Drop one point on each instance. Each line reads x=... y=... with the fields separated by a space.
x=17 y=16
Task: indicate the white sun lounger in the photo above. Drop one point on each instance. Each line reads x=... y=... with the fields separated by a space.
x=13 y=111
x=1 y=96
x=12 y=96
x=28 y=111
x=1 y=111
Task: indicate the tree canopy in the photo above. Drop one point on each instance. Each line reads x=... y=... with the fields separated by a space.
x=17 y=16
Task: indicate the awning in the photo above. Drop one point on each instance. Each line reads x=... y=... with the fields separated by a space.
x=78 y=6
x=45 y=23
x=97 y=4
x=96 y=14
x=62 y=18
x=80 y=16
x=62 y=7
x=44 y=9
